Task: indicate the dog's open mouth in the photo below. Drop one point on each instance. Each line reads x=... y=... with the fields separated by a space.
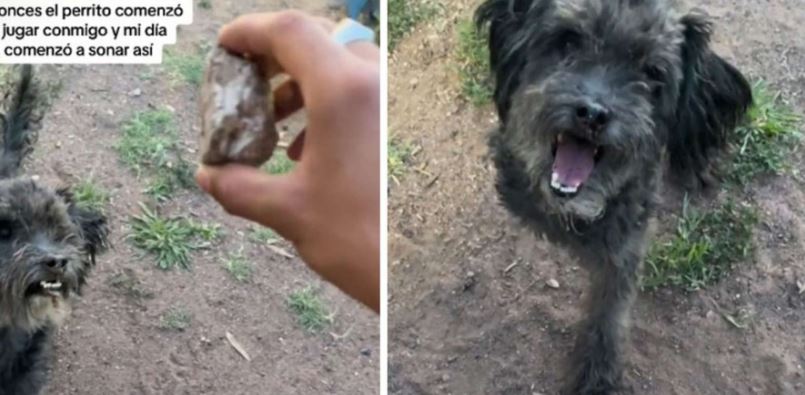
x=573 y=161
x=47 y=288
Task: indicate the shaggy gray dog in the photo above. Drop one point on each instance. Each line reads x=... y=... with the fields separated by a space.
x=593 y=96
x=47 y=247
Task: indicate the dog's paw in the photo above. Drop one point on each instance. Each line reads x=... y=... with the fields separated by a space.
x=595 y=378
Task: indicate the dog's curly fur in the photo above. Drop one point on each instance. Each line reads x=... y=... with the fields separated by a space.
x=665 y=100
x=44 y=239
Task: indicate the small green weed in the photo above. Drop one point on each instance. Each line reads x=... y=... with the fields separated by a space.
x=763 y=144
x=238 y=267
x=205 y=4
x=310 y=311
x=263 y=235
x=147 y=137
x=703 y=249
x=399 y=156
x=171 y=240
x=185 y=67
x=150 y=145
x=403 y=16
x=177 y=319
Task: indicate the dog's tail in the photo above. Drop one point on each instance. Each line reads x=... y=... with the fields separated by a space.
x=18 y=122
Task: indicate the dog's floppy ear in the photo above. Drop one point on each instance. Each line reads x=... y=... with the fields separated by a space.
x=508 y=22
x=713 y=98
x=92 y=224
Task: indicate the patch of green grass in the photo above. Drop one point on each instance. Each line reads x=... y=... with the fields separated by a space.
x=263 y=235
x=206 y=232
x=474 y=70
x=177 y=319
x=147 y=137
x=150 y=145
x=703 y=249
x=185 y=67
x=403 y=16
x=763 y=144
x=205 y=4
x=400 y=154
x=89 y=195
x=238 y=267
x=310 y=311
x=279 y=163
x=170 y=240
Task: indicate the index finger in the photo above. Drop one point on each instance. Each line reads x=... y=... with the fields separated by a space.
x=299 y=43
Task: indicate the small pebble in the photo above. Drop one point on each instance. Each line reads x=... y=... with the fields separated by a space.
x=552 y=283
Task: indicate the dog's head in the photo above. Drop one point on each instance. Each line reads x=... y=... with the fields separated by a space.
x=47 y=247
x=592 y=93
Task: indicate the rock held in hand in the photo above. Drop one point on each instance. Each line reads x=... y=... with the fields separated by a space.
x=237 y=124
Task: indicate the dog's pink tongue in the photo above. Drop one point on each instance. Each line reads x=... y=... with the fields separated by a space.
x=574 y=162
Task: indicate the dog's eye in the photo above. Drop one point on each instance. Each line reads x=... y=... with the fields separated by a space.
x=567 y=41
x=656 y=80
x=653 y=73
x=6 y=229
x=568 y=46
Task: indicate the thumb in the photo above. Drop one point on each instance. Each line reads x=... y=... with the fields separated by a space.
x=247 y=192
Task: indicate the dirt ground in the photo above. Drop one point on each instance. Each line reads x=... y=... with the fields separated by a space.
x=461 y=323
x=113 y=343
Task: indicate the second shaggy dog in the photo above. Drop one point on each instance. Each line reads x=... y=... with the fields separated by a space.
x=47 y=247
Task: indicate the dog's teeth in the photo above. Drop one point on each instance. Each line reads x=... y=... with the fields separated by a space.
x=555 y=184
x=565 y=189
x=49 y=285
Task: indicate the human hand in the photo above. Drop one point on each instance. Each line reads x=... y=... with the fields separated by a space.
x=329 y=205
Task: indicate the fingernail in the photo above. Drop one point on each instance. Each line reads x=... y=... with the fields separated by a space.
x=203 y=179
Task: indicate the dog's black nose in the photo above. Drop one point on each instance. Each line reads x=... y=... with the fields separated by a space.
x=54 y=263
x=592 y=116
